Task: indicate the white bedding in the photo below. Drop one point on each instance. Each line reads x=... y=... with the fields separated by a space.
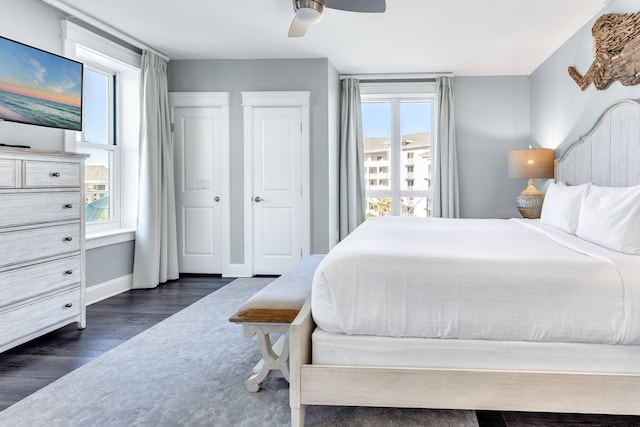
x=512 y=280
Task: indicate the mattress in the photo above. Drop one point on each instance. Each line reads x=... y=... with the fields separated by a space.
x=369 y=350
x=510 y=280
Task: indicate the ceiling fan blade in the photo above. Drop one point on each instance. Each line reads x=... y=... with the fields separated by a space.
x=298 y=28
x=371 y=6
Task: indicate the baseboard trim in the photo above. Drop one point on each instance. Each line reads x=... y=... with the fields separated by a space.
x=108 y=289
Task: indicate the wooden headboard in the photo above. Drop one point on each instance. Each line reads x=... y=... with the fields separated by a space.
x=609 y=154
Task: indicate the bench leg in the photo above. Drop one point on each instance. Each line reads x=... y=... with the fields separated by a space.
x=272 y=359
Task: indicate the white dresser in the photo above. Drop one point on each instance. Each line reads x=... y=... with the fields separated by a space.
x=41 y=243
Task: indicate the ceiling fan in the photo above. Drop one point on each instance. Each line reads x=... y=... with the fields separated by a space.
x=310 y=11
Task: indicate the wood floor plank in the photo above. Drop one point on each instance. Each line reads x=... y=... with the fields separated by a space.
x=490 y=419
x=535 y=419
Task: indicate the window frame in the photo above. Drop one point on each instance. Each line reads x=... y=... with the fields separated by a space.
x=395 y=94
x=101 y=54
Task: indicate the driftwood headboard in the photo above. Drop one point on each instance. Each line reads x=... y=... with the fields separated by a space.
x=609 y=154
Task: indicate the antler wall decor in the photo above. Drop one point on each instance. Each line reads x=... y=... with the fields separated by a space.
x=616 y=52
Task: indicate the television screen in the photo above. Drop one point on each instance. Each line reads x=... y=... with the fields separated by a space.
x=38 y=87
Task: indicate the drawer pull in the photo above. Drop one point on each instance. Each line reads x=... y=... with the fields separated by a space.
x=68 y=272
x=55 y=174
x=68 y=206
x=68 y=305
x=68 y=239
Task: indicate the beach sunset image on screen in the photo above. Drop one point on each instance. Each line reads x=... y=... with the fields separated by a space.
x=40 y=88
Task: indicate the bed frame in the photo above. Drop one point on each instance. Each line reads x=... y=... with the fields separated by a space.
x=609 y=154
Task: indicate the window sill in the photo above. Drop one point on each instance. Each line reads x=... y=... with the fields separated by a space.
x=106 y=238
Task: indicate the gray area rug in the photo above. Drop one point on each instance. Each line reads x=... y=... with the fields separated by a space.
x=189 y=370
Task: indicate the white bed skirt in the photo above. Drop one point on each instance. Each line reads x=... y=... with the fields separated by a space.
x=350 y=350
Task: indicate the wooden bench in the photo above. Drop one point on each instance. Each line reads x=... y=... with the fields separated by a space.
x=271 y=311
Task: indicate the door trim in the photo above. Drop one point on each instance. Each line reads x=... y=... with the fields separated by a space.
x=214 y=100
x=251 y=100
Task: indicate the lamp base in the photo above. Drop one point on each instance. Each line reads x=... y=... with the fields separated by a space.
x=529 y=202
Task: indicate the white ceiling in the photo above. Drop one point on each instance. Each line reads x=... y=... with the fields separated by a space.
x=466 y=37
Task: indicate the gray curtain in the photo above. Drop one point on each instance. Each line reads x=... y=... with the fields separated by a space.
x=445 y=163
x=352 y=199
x=156 y=248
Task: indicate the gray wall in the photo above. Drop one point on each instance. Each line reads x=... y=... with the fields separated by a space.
x=109 y=262
x=492 y=117
x=560 y=111
x=235 y=76
x=34 y=23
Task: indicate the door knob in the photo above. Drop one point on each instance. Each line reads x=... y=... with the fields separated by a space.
x=217 y=198
x=258 y=199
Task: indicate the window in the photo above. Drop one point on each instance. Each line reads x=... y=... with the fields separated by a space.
x=111 y=105
x=397 y=126
x=98 y=140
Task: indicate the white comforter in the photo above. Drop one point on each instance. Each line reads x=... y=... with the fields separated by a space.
x=476 y=279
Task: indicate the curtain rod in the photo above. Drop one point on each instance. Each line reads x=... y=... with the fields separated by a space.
x=401 y=76
x=102 y=26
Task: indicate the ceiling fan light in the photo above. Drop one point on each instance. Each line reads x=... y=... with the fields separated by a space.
x=308 y=15
x=309 y=11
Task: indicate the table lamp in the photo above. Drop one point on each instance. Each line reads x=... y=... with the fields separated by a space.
x=531 y=164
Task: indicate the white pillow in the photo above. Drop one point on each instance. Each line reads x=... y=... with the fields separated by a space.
x=561 y=206
x=610 y=217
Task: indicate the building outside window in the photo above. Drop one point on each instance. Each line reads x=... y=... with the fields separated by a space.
x=397 y=130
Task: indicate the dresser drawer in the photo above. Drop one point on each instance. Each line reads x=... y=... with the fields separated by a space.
x=51 y=174
x=31 y=208
x=36 y=243
x=26 y=319
x=28 y=282
x=8 y=169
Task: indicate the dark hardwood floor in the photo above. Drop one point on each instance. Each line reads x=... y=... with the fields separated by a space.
x=31 y=366
x=535 y=419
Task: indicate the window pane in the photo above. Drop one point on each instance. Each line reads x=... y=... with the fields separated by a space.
x=376 y=124
x=96 y=107
x=415 y=146
x=415 y=206
x=97 y=184
x=378 y=206
x=397 y=146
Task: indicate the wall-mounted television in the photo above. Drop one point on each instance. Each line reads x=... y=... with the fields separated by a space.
x=38 y=87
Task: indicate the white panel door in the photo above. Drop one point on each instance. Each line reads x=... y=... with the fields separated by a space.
x=198 y=139
x=277 y=189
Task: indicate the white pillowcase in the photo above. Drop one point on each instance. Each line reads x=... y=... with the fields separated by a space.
x=561 y=206
x=610 y=217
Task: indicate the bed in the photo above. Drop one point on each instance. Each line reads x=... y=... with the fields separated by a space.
x=547 y=321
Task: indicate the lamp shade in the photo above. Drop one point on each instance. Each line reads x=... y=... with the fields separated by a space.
x=531 y=163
